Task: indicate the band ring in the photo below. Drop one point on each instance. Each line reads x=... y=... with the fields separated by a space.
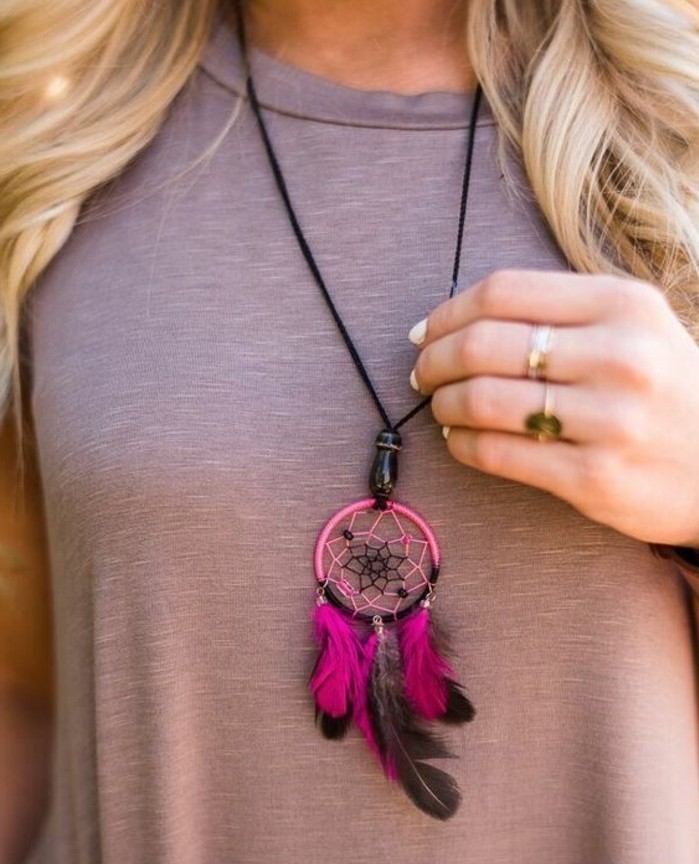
x=544 y=425
x=539 y=350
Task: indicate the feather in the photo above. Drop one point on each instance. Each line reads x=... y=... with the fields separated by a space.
x=333 y=728
x=460 y=709
x=403 y=744
x=361 y=701
x=335 y=676
x=429 y=678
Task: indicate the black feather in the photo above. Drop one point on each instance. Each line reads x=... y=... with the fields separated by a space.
x=460 y=709
x=405 y=744
x=333 y=728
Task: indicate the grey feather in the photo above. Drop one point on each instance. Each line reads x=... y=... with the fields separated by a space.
x=404 y=743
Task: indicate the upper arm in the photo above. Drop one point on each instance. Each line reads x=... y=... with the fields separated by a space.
x=25 y=595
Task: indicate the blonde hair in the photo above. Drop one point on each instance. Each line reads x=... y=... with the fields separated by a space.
x=597 y=97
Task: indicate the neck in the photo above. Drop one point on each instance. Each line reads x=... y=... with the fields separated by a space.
x=404 y=46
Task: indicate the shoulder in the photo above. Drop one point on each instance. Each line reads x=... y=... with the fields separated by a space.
x=221 y=61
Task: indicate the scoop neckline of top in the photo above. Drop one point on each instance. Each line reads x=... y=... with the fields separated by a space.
x=295 y=92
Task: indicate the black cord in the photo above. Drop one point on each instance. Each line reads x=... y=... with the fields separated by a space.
x=305 y=248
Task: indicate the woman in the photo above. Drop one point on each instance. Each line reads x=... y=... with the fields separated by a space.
x=196 y=417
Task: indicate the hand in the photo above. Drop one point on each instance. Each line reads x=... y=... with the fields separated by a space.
x=624 y=373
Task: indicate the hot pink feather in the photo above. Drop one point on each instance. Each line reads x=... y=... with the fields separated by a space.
x=340 y=663
x=427 y=673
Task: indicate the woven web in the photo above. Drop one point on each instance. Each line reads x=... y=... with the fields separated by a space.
x=377 y=562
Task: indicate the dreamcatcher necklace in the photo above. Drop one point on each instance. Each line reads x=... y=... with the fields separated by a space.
x=381 y=662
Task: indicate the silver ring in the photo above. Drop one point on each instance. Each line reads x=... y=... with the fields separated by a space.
x=539 y=350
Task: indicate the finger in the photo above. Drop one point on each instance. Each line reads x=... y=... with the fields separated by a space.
x=551 y=465
x=503 y=405
x=502 y=348
x=616 y=358
x=538 y=296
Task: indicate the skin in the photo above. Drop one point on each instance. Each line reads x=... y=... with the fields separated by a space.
x=405 y=46
x=623 y=368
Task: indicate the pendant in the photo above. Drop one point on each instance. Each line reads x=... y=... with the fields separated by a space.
x=381 y=664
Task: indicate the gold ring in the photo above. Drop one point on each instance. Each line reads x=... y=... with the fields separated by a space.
x=544 y=425
x=539 y=349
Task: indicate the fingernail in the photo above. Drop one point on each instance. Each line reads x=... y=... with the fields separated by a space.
x=417 y=332
x=413 y=381
x=445 y=431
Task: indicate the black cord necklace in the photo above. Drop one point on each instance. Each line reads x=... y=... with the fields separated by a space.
x=376 y=565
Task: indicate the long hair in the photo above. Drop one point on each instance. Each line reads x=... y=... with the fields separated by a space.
x=598 y=98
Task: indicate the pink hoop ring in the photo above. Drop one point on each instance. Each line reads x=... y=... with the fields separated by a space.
x=370 y=504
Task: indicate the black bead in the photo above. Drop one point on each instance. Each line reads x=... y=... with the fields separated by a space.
x=384 y=470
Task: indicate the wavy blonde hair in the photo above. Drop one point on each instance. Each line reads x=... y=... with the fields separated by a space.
x=599 y=98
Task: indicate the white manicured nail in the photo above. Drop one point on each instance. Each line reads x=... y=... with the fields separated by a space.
x=445 y=431
x=417 y=332
x=413 y=381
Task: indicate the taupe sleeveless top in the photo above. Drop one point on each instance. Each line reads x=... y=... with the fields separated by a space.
x=198 y=419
